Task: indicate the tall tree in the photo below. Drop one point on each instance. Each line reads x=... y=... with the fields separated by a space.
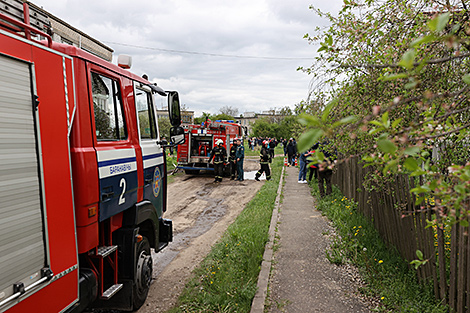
x=396 y=75
x=229 y=110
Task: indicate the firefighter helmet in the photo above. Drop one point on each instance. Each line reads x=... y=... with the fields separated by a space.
x=219 y=142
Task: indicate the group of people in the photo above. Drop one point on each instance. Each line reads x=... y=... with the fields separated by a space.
x=237 y=155
x=322 y=171
x=270 y=142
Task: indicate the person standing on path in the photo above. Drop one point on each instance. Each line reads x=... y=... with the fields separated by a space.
x=291 y=151
x=272 y=144
x=233 y=160
x=303 y=168
x=265 y=159
x=240 y=155
x=324 y=169
x=219 y=153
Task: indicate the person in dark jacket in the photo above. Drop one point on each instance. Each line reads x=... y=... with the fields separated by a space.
x=219 y=153
x=291 y=152
x=240 y=155
x=312 y=168
x=272 y=145
x=303 y=167
x=324 y=169
x=265 y=159
x=233 y=160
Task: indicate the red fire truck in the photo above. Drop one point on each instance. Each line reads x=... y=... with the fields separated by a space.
x=82 y=175
x=193 y=156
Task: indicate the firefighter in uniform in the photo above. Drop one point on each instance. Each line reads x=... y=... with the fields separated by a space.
x=233 y=160
x=218 y=154
x=265 y=159
x=240 y=155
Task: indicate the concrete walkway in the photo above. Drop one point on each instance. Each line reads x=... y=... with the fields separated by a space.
x=302 y=279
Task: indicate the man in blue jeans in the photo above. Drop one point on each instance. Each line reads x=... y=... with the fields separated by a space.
x=303 y=168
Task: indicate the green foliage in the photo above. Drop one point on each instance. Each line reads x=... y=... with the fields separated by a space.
x=164 y=126
x=226 y=280
x=420 y=261
x=391 y=84
x=285 y=128
x=220 y=116
x=202 y=119
x=386 y=274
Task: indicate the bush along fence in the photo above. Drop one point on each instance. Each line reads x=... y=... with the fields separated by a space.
x=440 y=254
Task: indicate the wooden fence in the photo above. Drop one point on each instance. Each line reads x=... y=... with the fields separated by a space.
x=403 y=225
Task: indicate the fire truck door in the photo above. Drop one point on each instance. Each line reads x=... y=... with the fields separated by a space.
x=22 y=247
x=152 y=153
x=117 y=165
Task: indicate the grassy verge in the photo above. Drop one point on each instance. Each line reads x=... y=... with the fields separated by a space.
x=171 y=162
x=386 y=274
x=226 y=280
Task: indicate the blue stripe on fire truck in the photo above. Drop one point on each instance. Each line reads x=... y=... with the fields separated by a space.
x=116 y=162
x=153 y=156
x=153 y=159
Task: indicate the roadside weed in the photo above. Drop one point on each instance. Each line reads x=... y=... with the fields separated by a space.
x=226 y=280
x=387 y=276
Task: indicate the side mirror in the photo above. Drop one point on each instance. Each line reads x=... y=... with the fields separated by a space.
x=177 y=135
x=174 y=108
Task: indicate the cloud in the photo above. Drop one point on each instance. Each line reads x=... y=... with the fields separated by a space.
x=239 y=30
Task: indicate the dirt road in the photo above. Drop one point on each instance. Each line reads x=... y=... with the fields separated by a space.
x=201 y=212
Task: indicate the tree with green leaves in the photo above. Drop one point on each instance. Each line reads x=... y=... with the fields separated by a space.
x=164 y=126
x=287 y=127
x=391 y=81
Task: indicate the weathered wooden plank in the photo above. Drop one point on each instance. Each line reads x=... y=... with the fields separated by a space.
x=442 y=264
x=462 y=270
x=453 y=267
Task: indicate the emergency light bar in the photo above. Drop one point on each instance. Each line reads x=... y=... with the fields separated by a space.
x=124 y=61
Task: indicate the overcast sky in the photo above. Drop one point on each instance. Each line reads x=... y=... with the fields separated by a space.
x=239 y=53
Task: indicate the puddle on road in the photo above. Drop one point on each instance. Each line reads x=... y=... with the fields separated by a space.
x=251 y=175
x=214 y=210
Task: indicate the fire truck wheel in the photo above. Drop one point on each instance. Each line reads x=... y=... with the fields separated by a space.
x=144 y=267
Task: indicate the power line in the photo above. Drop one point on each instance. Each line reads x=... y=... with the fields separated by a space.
x=207 y=54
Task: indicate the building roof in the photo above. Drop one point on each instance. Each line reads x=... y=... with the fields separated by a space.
x=60 y=21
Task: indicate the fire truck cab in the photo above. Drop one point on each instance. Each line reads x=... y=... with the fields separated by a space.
x=82 y=175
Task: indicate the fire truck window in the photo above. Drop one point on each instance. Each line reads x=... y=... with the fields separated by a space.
x=107 y=105
x=146 y=114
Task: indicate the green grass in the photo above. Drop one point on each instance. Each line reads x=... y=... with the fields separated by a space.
x=171 y=161
x=226 y=280
x=387 y=275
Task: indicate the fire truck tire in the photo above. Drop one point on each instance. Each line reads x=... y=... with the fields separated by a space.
x=144 y=268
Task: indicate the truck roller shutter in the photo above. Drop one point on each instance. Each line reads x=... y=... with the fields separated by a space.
x=22 y=247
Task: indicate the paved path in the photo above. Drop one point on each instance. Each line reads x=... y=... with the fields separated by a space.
x=302 y=279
